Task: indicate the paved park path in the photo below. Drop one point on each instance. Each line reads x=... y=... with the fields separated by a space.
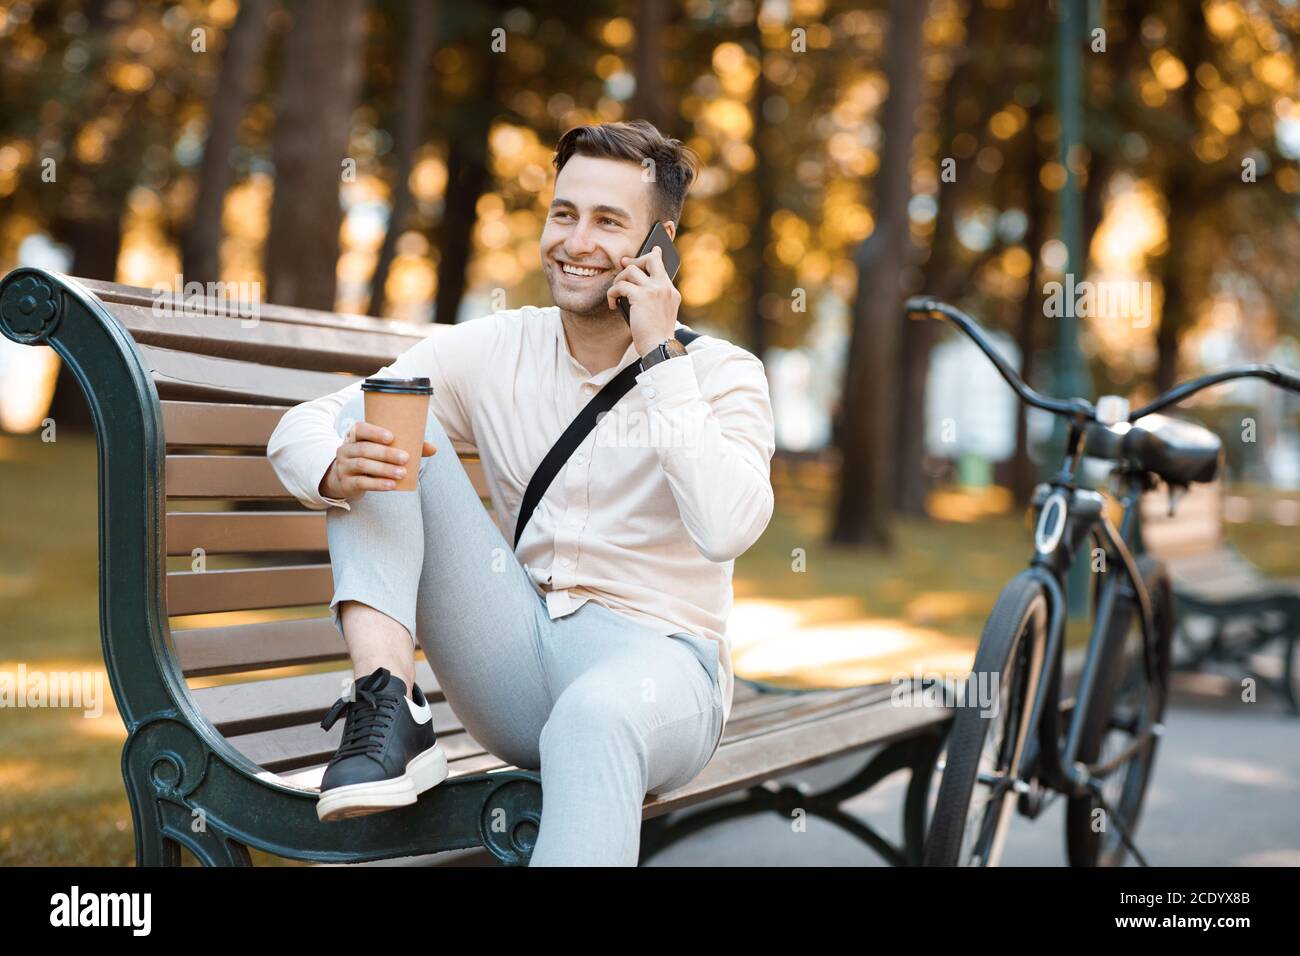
x=1226 y=792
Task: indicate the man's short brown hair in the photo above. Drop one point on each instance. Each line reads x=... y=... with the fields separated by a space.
x=674 y=168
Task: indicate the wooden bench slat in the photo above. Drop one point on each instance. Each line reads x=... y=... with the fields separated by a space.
x=764 y=703
x=184 y=375
x=252 y=532
x=482 y=763
x=278 y=719
x=1195 y=528
x=250 y=647
x=747 y=759
x=222 y=476
x=250 y=477
x=305 y=745
x=205 y=592
x=298 y=745
x=285 y=701
x=112 y=293
x=799 y=708
x=309 y=778
x=317 y=347
x=227 y=425
x=220 y=425
x=743 y=761
x=1222 y=564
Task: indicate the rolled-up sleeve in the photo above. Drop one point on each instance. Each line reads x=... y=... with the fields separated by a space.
x=715 y=440
x=306 y=440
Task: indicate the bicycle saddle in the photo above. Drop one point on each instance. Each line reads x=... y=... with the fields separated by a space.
x=1178 y=451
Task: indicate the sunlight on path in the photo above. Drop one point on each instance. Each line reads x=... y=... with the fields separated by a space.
x=802 y=644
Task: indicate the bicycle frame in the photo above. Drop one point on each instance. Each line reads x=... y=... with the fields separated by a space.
x=1067 y=517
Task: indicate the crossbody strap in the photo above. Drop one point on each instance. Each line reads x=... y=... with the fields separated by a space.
x=576 y=433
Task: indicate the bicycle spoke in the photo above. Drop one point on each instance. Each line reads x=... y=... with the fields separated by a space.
x=1121 y=827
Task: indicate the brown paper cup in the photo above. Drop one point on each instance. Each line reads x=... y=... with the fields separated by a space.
x=401 y=406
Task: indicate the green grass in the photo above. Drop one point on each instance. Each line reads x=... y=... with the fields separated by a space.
x=61 y=794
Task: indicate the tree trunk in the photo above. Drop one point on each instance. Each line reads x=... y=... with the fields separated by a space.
x=1182 y=193
x=913 y=366
x=758 y=338
x=467 y=178
x=1094 y=197
x=318 y=91
x=411 y=112
x=1175 y=314
x=649 y=101
x=868 y=438
x=201 y=245
x=89 y=220
x=940 y=280
x=1023 y=471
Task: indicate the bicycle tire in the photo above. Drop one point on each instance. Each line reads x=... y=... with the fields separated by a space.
x=1011 y=647
x=1123 y=671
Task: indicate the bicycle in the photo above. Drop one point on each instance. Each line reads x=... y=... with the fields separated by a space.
x=1101 y=760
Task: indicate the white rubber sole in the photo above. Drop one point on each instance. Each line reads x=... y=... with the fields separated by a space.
x=423 y=772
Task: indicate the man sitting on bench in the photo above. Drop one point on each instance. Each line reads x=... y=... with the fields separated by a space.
x=595 y=649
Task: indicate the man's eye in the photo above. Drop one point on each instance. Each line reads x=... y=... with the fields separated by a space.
x=612 y=222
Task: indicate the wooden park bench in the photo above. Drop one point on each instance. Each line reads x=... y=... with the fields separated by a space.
x=1228 y=611
x=223 y=673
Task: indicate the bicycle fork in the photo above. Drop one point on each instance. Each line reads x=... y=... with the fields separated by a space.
x=1033 y=781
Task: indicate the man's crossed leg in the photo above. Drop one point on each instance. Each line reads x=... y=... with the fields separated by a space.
x=608 y=710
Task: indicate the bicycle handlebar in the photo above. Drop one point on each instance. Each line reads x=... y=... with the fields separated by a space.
x=1281 y=377
x=1077 y=406
x=1284 y=378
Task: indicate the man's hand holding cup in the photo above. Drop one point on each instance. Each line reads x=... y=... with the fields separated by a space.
x=377 y=454
x=366 y=461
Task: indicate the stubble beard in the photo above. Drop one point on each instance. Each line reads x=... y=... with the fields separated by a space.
x=592 y=309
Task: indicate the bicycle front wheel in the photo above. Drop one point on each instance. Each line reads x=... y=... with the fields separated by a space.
x=976 y=795
x=1125 y=705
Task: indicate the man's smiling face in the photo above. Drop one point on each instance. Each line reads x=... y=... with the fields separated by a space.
x=600 y=213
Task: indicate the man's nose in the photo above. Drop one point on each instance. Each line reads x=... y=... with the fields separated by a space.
x=580 y=241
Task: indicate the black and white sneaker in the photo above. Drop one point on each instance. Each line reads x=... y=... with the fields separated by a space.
x=389 y=754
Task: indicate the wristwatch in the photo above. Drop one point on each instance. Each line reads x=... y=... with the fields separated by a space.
x=669 y=348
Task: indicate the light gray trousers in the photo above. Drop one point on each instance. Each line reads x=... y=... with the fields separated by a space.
x=607 y=709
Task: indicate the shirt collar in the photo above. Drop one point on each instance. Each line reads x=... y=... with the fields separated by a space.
x=629 y=354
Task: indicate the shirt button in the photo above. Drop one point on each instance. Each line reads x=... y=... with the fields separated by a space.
x=588 y=389
x=580 y=458
x=650 y=392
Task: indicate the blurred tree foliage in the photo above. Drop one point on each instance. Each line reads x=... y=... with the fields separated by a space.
x=143 y=136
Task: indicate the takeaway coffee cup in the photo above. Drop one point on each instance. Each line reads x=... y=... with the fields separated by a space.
x=402 y=406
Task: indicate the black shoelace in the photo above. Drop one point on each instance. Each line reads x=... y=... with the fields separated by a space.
x=369 y=716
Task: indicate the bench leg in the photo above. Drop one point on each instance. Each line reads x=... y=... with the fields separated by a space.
x=510 y=815
x=917 y=755
x=1291 y=679
x=1219 y=649
x=162 y=763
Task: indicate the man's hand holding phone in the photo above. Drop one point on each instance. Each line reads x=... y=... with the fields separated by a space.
x=653 y=298
x=365 y=462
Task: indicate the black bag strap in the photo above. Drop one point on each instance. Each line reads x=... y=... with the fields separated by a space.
x=576 y=433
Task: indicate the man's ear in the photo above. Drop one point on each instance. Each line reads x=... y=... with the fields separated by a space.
x=670 y=227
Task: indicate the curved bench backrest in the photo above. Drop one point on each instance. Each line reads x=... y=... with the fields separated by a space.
x=247 y=574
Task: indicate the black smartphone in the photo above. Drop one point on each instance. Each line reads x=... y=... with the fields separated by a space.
x=672 y=261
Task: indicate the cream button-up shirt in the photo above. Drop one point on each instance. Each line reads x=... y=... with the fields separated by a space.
x=648 y=515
